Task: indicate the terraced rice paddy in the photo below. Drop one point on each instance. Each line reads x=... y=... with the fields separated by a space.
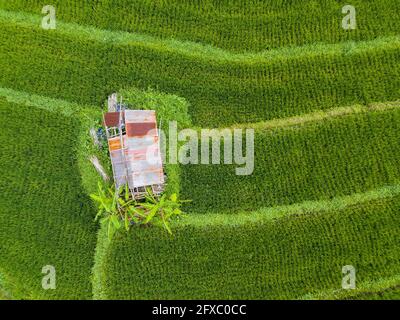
x=46 y=217
x=324 y=104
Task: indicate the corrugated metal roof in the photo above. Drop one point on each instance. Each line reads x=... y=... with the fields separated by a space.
x=140 y=129
x=117 y=161
x=111 y=119
x=143 y=151
x=140 y=163
x=140 y=116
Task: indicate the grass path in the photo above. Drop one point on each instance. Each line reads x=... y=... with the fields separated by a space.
x=385 y=288
x=318 y=116
x=278 y=212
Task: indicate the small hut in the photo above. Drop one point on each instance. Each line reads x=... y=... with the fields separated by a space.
x=134 y=146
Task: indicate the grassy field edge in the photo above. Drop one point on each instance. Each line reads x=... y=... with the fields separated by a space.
x=272 y=213
x=202 y=51
x=363 y=290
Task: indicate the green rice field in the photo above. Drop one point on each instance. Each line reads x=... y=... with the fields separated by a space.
x=324 y=104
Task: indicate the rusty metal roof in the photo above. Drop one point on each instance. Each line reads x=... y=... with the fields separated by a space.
x=111 y=119
x=139 y=129
x=136 y=157
x=143 y=149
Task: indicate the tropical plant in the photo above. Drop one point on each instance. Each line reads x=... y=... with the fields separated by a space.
x=111 y=206
x=117 y=208
x=160 y=211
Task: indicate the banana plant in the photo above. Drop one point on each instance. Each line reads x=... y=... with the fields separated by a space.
x=112 y=206
x=160 y=211
x=116 y=209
